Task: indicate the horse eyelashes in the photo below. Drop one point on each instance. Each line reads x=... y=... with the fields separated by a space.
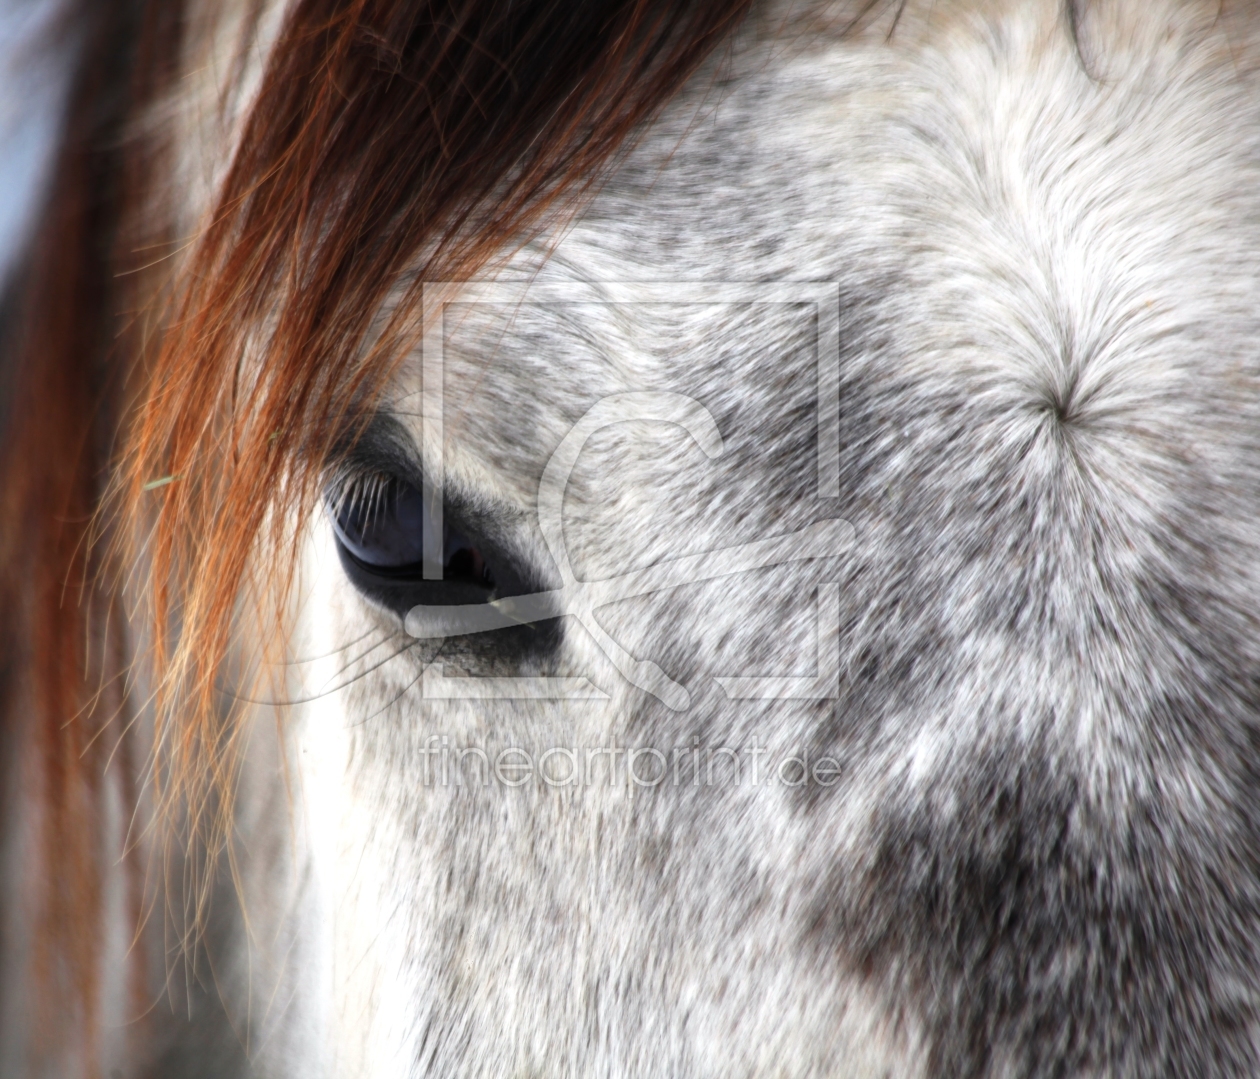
x=380 y=523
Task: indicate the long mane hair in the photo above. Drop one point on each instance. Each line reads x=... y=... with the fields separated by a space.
x=172 y=398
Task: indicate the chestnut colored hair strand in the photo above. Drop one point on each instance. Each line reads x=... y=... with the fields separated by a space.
x=392 y=141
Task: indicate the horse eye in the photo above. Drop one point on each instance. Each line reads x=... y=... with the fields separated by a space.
x=380 y=521
x=381 y=524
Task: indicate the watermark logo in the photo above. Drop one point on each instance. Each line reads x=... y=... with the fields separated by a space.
x=447 y=762
x=580 y=599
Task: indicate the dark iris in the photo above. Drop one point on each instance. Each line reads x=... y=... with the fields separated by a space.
x=381 y=524
x=378 y=516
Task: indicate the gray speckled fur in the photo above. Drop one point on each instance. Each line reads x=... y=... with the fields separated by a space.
x=1043 y=855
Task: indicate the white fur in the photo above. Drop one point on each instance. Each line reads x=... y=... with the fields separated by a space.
x=1008 y=222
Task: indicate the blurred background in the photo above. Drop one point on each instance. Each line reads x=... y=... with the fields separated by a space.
x=33 y=53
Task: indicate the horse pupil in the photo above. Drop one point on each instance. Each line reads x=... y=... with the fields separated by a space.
x=463 y=562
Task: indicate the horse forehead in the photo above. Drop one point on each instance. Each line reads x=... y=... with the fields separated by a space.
x=990 y=173
x=994 y=200
x=992 y=140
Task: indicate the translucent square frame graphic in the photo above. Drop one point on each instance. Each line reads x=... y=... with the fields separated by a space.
x=824 y=296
